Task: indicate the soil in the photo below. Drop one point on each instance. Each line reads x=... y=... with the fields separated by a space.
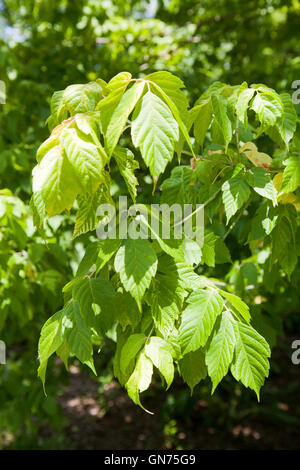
x=232 y=419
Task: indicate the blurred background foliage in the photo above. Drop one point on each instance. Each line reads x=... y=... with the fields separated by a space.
x=45 y=46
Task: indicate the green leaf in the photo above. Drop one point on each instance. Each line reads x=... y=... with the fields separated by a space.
x=88 y=260
x=289 y=259
x=220 y=112
x=192 y=251
x=129 y=352
x=155 y=131
x=136 y=262
x=189 y=278
x=169 y=88
x=91 y=291
x=79 y=98
x=264 y=221
x=66 y=326
x=50 y=340
x=235 y=192
x=106 y=249
x=166 y=296
x=79 y=337
x=127 y=312
x=250 y=361
x=291 y=175
x=58 y=111
x=114 y=91
x=121 y=338
x=86 y=216
x=70 y=162
x=202 y=120
x=220 y=349
x=87 y=158
x=63 y=351
x=140 y=379
x=198 y=319
x=176 y=188
x=120 y=115
x=242 y=105
x=192 y=368
x=56 y=180
x=268 y=107
x=127 y=164
x=37 y=206
x=285 y=125
x=222 y=253
x=281 y=238
x=170 y=245
x=237 y=303
x=259 y=179
x=160 y=353
x=48 y=144
x=208 y=249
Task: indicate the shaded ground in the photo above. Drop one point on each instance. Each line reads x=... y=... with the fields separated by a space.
x=229 y=420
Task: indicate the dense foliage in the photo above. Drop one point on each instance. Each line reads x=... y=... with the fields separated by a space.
x=149 y=297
